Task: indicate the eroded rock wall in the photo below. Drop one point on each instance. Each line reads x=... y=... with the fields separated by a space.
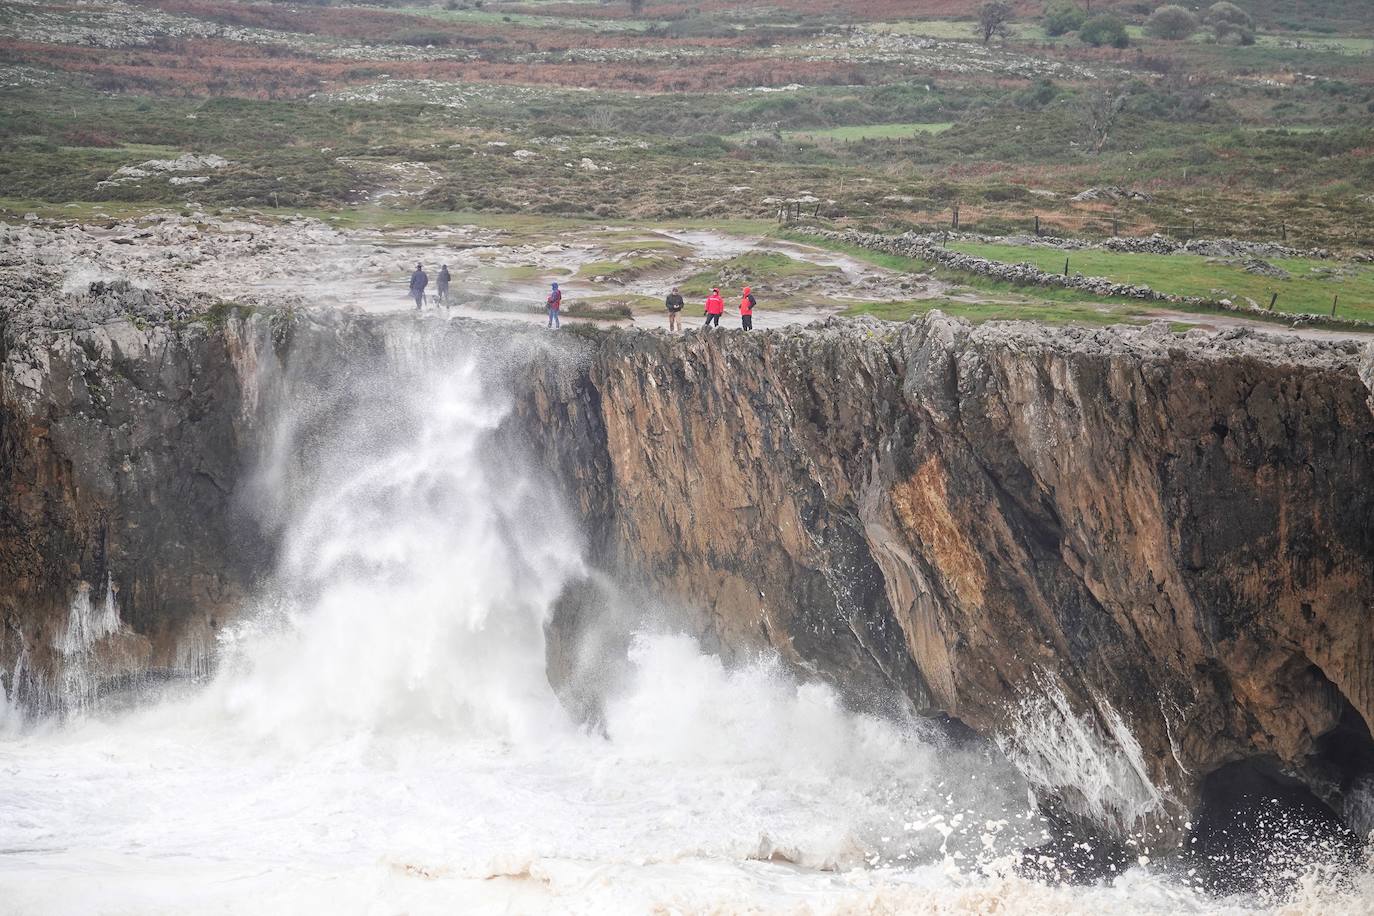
x=1172 y=531
x=121 y=448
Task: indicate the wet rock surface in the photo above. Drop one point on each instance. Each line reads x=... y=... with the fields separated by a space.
x=1169 y=534
x=1169 y=530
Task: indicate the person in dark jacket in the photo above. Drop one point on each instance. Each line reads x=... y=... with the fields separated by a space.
x=674 y=305
x=715 y=307
x=444 y=278
x=746 y=310
x=418 y=281
x=554 y=303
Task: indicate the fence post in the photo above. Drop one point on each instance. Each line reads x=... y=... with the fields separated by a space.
x=1333 y=304
x=1272 y=299
x=1037 y=225
x=1283 y=228
x=1116 y=227
x=954 y=220
x=1066 y=267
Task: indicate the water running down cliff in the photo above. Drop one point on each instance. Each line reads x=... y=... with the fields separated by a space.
x=382 y=731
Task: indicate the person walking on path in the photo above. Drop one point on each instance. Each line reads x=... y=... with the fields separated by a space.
x=418 y=281
x=715 y=307
x=553 y=303
x=674 y=305
x=444 y=277
x=746 y=310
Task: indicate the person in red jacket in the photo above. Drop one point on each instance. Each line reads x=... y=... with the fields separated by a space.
x=715 y=307
x=746 y=310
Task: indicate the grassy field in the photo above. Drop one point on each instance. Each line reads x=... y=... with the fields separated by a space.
x=1045 y=312
x=1310 y=288
x=869 y=132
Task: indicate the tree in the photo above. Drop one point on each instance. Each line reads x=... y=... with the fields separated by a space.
x=1099 y=114
x=636 y=6
x=1104 y=30
x=1062 y=18
x=1171 y=22
x=994 y=18
x=1228 y=20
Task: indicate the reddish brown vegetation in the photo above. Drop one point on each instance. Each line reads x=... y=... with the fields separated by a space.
x=89 y=137
x=377 y=26
x=867 y=10
x=207 y=67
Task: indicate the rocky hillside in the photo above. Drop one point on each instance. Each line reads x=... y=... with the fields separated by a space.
x=1119 y=552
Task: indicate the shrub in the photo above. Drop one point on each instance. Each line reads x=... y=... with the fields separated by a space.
x=1230 y=21
x=1104 y=30
x=1063 y=18
x=1037 y=95
x=1171 y=22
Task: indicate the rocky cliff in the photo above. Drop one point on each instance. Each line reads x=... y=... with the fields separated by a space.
x=1123 y=553
x=1150 y=551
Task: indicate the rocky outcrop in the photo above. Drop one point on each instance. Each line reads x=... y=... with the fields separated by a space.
x=1121 y=552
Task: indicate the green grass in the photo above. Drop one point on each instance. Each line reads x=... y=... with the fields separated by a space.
x=1309 y=289
x=1030 y=295
x=1330 y=44
x=761 y=269
x=1045 y=312
x=869 y=132
x=520 y=273
x=626 y=268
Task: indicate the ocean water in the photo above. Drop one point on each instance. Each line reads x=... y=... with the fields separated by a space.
x=380 y=736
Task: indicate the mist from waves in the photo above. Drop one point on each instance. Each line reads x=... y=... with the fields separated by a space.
x=381 y=735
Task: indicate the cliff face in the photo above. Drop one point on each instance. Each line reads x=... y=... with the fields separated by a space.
x=120 y=449
x=1168 y=537
x=1121 y=550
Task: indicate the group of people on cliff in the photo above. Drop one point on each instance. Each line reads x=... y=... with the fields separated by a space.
x=553 y=303
x=419 y=282
x=715 y=307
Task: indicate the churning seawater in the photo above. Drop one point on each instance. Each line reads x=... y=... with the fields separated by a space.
x=381 y=737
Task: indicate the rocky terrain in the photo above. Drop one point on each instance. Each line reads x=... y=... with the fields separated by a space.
x=1153 y=549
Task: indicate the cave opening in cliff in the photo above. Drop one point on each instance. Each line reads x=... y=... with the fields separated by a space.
x=1260 y=829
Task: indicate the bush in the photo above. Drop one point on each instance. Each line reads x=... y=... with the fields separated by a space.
x=1039 y=94
x=1230 y=21
x=1063 y=18
x=1104 y=30
x=1172 y=23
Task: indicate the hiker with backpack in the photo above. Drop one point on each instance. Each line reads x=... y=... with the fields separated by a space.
x=746 y=310
x=444 y=278
x=554 y=303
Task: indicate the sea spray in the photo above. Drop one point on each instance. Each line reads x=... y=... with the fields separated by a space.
x=382 y=735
